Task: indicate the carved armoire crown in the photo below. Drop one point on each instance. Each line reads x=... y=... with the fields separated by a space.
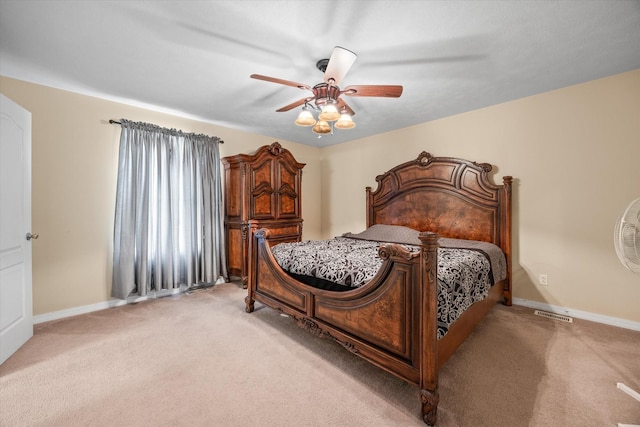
x=261 y=190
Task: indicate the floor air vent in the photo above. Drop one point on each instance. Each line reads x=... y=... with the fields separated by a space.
x=553 y=316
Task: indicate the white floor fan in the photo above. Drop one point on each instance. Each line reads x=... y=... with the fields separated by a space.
x=626 y=239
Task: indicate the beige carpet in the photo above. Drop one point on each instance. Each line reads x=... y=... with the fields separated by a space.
x=200 y=360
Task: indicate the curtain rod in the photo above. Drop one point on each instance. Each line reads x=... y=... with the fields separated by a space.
x=115 y=122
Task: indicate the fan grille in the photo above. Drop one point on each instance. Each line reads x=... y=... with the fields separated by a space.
x=627 y=237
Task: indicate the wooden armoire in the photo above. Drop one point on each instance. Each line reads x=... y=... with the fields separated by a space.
x=261 y=190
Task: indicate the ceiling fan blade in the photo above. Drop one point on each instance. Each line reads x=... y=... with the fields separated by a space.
x=294 y=104
x=340 y=62
x=388 y=91
x=280 y=81
x=342 y=104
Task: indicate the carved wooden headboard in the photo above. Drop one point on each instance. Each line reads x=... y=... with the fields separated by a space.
x=449 y=196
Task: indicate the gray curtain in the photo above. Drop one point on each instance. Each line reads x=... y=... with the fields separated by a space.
x=168 y=230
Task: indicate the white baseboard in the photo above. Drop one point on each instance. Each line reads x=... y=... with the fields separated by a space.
x=585 y=315
x=55 y=315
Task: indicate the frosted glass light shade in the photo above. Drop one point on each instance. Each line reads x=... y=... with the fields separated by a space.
x=329 y=113
x=345 y=122
x=305 y=118
x=322 y=127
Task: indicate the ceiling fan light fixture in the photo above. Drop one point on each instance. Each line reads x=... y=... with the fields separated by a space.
x=345 y=122
x=322 y=127
x=326 y=99
x=329 y=112
x=305 y=118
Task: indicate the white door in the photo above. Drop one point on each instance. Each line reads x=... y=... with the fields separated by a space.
x=16 y=310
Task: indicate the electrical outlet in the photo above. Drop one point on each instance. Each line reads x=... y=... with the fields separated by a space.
x=542 y=279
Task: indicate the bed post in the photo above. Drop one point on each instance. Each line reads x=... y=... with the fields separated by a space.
x=429 y=328
x=506 y=235
x=252 y=262
x=369 y=207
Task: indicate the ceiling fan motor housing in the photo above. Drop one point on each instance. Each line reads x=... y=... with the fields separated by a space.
x=326 y=93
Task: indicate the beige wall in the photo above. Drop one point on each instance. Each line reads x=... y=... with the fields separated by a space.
x=574 y=154
x=74 y=163
x=575 y=157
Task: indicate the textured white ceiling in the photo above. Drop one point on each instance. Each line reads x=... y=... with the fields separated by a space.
x=194 y=58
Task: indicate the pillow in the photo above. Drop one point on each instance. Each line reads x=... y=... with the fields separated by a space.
x=388 y=233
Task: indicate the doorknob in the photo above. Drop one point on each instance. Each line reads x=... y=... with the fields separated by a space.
x=31 y=236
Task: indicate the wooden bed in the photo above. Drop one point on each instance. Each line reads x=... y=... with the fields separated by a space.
x=391 y=320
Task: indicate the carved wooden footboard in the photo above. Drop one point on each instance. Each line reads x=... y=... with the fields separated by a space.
x=391 y=321
x=385 y=321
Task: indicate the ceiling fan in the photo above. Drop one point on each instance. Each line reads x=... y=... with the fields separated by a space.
x=326 y=98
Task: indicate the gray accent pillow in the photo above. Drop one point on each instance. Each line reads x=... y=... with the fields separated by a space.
x=388 y=233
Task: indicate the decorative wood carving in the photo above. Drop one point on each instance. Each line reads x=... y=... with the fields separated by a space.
x=430 y=400
x=387 y=251
x=313 y=328
x=250 y=306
